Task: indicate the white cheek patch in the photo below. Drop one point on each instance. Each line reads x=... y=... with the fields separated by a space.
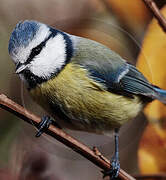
x=23 y=53
x=51 y=58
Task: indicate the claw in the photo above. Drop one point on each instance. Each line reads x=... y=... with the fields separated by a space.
x=114 y=171
x=43 y=125
x=115 y=167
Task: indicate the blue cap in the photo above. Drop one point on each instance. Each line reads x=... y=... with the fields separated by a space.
x=22 y=35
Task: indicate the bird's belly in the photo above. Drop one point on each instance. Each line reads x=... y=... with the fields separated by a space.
x=97 y=112
x=98 y=117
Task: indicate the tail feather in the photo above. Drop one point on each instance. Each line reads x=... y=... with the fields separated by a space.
x=160 y=94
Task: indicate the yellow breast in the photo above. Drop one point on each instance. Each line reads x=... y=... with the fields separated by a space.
x=87 y=104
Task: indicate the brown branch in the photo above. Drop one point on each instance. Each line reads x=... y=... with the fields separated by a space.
x=60 y=135
x=156 y=12
x=98 y=153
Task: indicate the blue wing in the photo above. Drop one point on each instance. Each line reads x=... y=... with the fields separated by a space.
x=125 y=80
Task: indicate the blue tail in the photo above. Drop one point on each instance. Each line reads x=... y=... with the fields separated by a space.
x=160 y=95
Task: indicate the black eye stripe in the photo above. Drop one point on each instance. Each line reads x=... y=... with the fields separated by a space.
x=35 y=51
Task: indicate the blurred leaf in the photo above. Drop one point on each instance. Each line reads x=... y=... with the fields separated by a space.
x=151 y=63
x=152 y=150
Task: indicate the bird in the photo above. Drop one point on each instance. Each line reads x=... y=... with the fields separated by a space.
x=82 y=84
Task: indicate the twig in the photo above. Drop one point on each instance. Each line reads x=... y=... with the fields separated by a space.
x=58 y=134
x=98 y=153
x=156 y=12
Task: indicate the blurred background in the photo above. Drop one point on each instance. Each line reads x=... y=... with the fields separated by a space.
x=124 y=27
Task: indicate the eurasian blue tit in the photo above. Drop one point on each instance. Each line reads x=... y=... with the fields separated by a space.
x=81 y=83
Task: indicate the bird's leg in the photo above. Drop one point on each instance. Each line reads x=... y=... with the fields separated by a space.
x=44 y=125
x=115 y=159
x=115 y=165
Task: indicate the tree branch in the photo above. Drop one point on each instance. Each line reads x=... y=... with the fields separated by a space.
x=156 y=12
x=60 y=135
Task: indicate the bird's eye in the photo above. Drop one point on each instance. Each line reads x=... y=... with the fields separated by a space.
x=36 y=50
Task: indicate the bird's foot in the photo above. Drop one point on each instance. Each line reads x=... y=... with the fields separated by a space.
x=114 y=171
x=44 y=125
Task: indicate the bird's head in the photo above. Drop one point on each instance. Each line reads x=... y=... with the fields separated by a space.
x=38 y=50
